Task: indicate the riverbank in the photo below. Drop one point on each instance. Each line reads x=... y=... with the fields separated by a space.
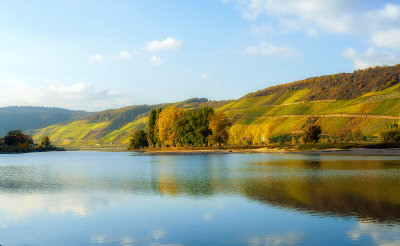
x=333 y=151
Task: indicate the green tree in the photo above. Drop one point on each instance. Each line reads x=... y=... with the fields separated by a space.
x=312 y=133
x=192 y=129
x=151 y=135
x=45 y=143
x=138 y=140
x=219 y=126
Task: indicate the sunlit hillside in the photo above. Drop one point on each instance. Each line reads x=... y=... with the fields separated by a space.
x=367 y=100
x=110 y=128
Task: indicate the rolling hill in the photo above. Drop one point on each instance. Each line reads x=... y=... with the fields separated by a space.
x=110 y=128
x=367 y=100
x=25 y=118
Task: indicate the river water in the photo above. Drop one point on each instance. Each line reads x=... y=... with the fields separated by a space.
x=122 y=198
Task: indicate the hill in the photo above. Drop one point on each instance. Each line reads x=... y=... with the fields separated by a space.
x=365 y=101
x=110 y=127
x=25 y=118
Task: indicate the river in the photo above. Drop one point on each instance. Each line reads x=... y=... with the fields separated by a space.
x=122 y=198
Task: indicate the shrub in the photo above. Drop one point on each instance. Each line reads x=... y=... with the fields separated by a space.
x=390 y=136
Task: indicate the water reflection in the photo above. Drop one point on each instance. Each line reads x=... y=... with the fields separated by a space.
x=192 y=193
x=363 y=188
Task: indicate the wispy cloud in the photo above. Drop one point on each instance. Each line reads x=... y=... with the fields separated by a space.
x=314 y=17
x=124 y=55
x=96 y=58
x=204 y=76
x=156 y=60
x=371 y=57
x=166 y=44
x=16 y=91
x=269 y=49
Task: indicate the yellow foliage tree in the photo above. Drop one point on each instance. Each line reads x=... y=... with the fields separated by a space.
x=257 y=134
x=165 y=124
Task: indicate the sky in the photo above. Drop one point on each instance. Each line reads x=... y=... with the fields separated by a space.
x=99 y=54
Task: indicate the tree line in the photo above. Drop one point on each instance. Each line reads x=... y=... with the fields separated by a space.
x=17 y=141
x=173 y=126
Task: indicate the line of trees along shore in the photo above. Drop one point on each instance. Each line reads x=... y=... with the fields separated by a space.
x=17 y=141
x=202 y=127
x=173 y=126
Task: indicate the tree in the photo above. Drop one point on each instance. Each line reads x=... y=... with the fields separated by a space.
x=45 y=143
x=151 y=135
x=192 y=129
x=138 y=140
x=312 y=133
x=16 y=137
x=390 y=136
x=156 y=131
x=294 y=141
x=219 y=126
x=166 y=124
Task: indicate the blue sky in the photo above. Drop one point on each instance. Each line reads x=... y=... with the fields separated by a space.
x=99 y=54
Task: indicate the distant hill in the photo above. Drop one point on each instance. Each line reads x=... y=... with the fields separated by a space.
x=25 y=118
x=365 y=100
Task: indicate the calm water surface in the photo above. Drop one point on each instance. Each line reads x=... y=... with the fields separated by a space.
x=110 y=198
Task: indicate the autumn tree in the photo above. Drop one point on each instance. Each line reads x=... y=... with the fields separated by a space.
x=219 y=126
x=312 y=133
x=166 y=124
x=45 y=143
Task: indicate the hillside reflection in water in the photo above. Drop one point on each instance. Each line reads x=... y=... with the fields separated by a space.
x=253 y=199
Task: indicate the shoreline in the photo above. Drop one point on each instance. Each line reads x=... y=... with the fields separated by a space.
x=353 y=151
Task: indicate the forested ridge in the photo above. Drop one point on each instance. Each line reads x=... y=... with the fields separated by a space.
x=32 y=117
x=339 y=86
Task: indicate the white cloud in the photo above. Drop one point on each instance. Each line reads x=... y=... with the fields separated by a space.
x=389 y=39
x=314 y=17
x=124 y=55
x=167 y=44
x=204 y=76
x=18 y=92
x=156 y=61
x=268 y=49
x=96 y=58
x=371 y=58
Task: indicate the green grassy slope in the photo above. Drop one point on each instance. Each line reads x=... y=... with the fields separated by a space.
x=368 y=100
